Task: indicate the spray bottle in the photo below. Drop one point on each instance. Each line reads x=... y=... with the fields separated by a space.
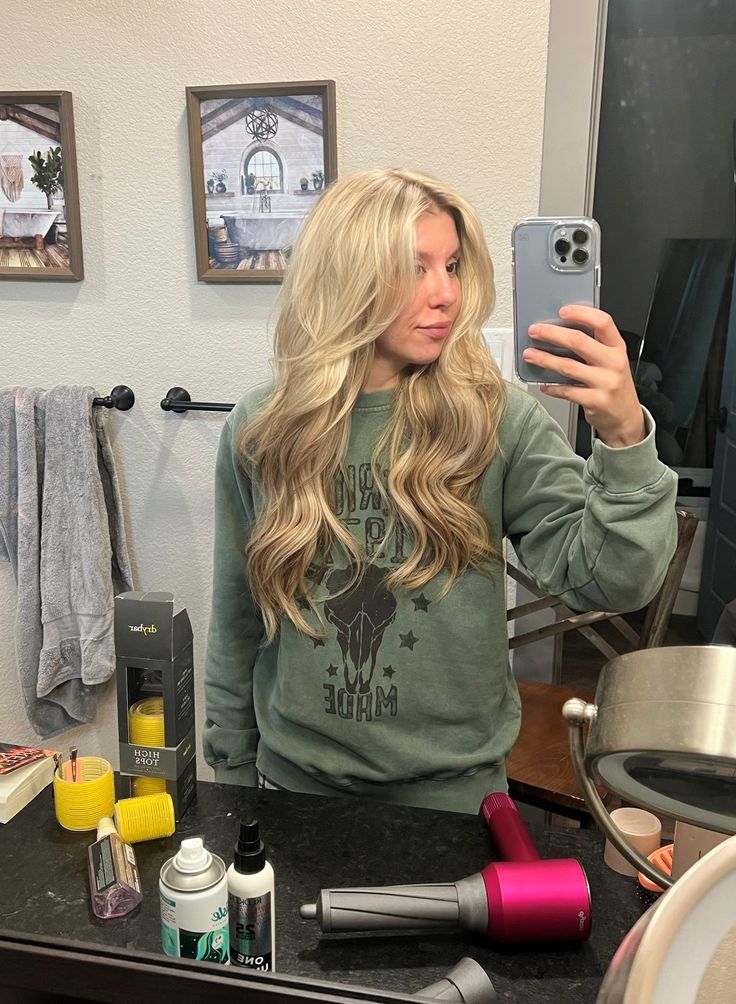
x=251 y=906
x=114 y=883
x=193 y=893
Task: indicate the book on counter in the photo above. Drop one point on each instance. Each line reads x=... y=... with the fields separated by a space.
x=24 y=772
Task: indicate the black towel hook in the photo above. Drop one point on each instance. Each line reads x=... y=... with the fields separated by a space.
x=121 y=397
x=180 y=400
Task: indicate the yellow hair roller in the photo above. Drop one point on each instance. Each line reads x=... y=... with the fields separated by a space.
x=145 y=817
x=146 y=722
x=146 y=728
x=80 y=804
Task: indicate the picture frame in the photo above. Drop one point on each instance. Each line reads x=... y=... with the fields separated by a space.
x=40 y=226
x=260 y=156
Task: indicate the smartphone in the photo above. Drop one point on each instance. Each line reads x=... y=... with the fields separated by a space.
x=554 y=261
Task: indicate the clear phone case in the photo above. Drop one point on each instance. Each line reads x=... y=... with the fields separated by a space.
x=546 y=278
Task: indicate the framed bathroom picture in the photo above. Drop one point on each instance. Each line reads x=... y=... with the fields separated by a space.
x=261 y=155
x=40 y=231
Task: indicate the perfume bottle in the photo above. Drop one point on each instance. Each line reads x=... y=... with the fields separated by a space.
x=114 y=882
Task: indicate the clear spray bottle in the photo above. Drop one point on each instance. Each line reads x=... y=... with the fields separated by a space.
x=114 y=882
x=251 y=906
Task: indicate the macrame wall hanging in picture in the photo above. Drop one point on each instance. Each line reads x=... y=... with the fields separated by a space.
x=11 y=176
x=261 y=123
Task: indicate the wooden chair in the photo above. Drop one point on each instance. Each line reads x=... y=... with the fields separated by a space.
x=655 y=622
x=538 y=769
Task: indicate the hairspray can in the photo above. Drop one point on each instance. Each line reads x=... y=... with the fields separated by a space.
x=193 y=891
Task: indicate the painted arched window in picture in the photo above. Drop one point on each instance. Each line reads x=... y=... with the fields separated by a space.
x=262 y=170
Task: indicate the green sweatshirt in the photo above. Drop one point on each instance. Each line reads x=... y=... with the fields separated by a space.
x=410 y=698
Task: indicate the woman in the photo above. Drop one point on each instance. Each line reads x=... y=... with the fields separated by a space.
x=358 y=636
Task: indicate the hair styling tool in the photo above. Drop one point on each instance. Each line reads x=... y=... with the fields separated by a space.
x=466 y=983
x=522 y=899
x=507 y=828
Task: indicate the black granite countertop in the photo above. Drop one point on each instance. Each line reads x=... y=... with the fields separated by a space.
x=314 y=842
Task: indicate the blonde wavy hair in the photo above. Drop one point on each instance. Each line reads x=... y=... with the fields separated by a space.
x=351 y=275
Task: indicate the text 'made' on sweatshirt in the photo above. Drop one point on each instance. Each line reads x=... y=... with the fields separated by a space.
x=409 y=698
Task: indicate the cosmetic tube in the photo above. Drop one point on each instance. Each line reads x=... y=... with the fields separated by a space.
x=114 y=882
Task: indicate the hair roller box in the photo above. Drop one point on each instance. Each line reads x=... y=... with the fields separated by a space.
x=154 y=665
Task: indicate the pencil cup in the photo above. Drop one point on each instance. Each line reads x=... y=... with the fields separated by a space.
x=80 y=804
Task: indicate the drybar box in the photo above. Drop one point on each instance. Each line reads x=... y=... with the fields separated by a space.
x=154 y=657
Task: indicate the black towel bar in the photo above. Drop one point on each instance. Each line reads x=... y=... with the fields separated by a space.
x=179 y=400
x=120 y=397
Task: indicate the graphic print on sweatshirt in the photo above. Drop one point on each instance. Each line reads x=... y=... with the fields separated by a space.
x=362 y=687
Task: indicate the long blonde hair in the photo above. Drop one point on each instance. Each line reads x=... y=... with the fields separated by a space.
x=351 y=275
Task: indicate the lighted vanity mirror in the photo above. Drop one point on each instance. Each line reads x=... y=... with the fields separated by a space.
x=662 y=736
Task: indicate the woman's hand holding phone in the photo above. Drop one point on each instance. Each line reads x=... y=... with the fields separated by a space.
x=603 y=386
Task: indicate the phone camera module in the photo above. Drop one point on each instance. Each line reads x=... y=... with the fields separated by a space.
x=562 y=246
x=580 y=236
x=579 y=256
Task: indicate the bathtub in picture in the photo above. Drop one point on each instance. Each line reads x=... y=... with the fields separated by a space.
x=26 y=222
x=263 y=231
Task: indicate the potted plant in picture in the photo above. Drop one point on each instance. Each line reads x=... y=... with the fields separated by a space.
x=220 y=179
x=304 y=183
x=211 y=184
x=48 y=176
x=250 y=183
x=317 y=179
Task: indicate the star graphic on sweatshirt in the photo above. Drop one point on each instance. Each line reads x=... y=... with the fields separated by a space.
x=408 y=640
x=420 y=602
x=332 y=670
x=388 y=671
x=318 y=642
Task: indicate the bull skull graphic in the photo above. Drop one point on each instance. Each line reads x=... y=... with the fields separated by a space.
x=361 y=617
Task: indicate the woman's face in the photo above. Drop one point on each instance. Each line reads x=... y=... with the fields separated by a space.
x=419 y=333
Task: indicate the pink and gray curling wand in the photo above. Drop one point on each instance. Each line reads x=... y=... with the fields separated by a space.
x=521 y=898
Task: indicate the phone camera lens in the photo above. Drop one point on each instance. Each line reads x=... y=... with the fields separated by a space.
x=580 y=236
x=562 y=246
x=579 y=256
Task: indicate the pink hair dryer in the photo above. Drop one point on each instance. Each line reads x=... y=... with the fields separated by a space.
x=521 y=898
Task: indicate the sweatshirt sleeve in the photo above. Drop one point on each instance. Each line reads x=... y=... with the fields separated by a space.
x=598 y=533
x=236 y=630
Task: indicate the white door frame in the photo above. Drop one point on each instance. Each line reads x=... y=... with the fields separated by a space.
x=576 y=45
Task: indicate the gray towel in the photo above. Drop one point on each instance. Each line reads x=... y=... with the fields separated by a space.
x=61 y=528
x=9 y=478
x=21 y=486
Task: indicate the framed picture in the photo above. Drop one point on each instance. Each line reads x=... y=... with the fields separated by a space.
x=40 y=232
x=261 y=154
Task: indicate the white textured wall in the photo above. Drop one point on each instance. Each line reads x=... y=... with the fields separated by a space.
x=455 y=91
